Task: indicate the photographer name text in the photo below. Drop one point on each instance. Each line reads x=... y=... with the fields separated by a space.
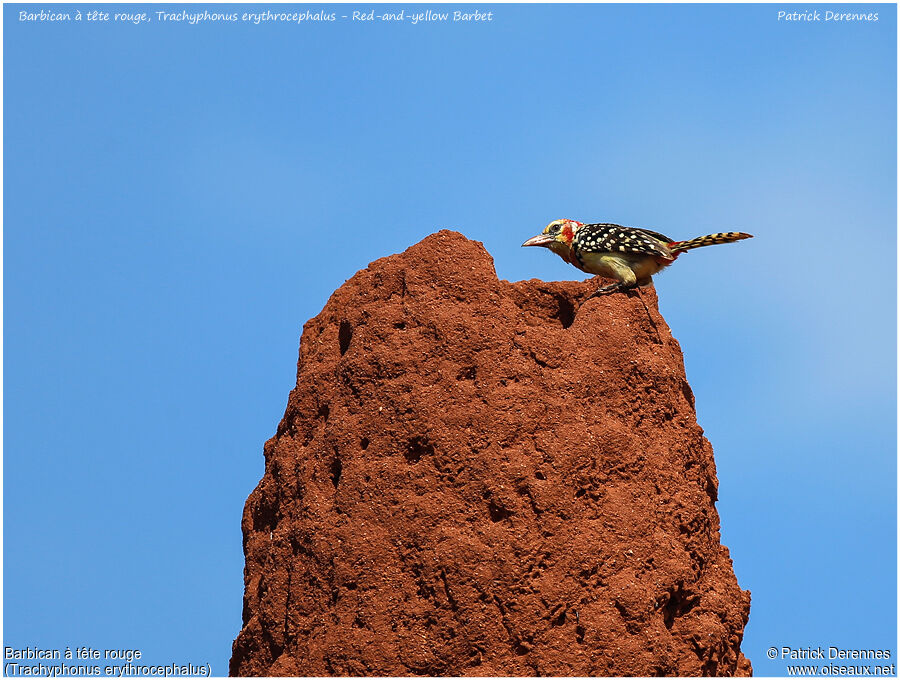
x=828 y=15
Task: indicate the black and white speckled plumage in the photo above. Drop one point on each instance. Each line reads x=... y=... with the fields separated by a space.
x=616 y=239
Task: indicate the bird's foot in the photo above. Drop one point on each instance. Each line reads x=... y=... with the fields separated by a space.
x=607 y=290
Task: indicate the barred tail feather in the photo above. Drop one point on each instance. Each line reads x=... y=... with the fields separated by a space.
x=708 y=240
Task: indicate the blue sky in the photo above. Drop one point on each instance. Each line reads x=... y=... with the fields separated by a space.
x=180 y=199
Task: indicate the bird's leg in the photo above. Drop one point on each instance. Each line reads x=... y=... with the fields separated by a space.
x=622 y=272
x=606 y=290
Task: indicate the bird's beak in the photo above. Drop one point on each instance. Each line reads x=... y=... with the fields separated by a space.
x=539 y=240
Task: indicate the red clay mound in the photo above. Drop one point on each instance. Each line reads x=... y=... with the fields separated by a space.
x=472 y=479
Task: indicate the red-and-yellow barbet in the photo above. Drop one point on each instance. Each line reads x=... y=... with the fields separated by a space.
x=629 y=255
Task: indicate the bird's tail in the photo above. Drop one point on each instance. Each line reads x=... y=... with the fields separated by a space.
x=708 y=240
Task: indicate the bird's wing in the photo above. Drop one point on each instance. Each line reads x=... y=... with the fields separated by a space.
x=614 y=238
x=655 y=234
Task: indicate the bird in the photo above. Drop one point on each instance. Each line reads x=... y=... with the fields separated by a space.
x=629 y=255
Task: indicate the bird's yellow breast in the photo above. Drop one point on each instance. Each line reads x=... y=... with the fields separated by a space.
x=609 y=264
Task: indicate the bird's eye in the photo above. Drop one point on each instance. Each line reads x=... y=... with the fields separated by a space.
x=554 y=229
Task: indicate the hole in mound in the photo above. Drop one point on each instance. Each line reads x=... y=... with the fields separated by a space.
x=547 y=306
x=566 y=311
x=345 y=334
x=336 y=469
x=265 y=515
x=498 y=512
x=417 y=447
x=467 y=373
x=364 y=443
x=680 y=603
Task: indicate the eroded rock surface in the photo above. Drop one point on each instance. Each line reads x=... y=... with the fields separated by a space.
x=472 y=479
